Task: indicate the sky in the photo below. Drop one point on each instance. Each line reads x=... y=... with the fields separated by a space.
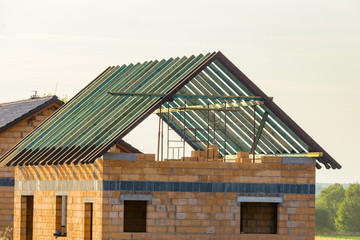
x=306 y=54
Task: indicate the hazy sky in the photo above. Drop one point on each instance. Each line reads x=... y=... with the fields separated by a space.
x=306 y=54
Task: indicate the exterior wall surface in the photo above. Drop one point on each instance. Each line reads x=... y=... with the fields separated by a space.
x=185 y=200
x=8 y=138
x=78 y=183
x=199 y=200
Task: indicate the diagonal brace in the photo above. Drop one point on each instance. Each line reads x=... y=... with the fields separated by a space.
x=259 y=131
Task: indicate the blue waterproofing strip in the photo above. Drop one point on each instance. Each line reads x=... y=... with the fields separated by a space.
x=215 y=187
x=7 y=182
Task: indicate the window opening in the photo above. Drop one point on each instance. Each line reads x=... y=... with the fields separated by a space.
x=61 y=216
x=88 y=222
x=135 y=216
x=258 y=218
x=27 y=216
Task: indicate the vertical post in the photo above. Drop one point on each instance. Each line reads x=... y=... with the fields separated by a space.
x=162 y=138
x=214 y=126
x=254 y=136
x=168 y=131
x=195 y=134
x=225 y=132
x=158 y=147
x=208 y=132
x=184 y=129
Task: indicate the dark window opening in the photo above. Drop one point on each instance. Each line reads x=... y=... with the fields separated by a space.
x=61 y=215
x=135 y=216
x=258 y=218
x=27 y=216
x=88 y=221
x=30 y=122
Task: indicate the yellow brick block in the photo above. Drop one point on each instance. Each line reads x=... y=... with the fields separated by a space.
x=145 y=157
x=271 y=159
x=243 y=154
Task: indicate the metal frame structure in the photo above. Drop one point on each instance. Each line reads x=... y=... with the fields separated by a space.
x=122 y=97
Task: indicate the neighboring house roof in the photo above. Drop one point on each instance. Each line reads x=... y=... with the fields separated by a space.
x=13 y=112
x=96 y=118
x=127 y=146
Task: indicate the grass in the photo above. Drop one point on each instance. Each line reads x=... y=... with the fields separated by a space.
x=338 y=236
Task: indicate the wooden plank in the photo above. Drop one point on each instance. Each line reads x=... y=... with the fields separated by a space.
x=309 y=155
x=186 y=96
x=259 y=131
x=232 y=106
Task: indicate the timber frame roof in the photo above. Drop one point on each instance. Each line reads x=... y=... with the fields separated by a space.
x=123 y=96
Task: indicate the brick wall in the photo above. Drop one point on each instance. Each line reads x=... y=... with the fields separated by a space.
x=44 y=220
x=185 y=200
x=198 y=200
x=8 y=138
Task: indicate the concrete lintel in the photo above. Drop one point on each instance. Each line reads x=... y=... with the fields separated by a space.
x=136 y=197
x=27 y=193
x=298 y=160
x=88 y=199
x=58 y=185
x=61 y=193
x=260 y=199
x=120 y=156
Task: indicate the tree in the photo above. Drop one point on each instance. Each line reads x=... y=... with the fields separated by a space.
x=327 y=207
x=348 y=216
x=323 y=222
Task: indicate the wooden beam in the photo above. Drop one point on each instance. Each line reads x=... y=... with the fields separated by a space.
x=233 y=106
x=309 y=155
x=156 y=95
x=259 y=131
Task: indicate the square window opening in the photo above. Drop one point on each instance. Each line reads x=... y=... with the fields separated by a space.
x=259 y=218
x=135 y=216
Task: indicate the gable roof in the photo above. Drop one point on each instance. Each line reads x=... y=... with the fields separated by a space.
x=13 y=112
x=91 y=122
x=127 y=146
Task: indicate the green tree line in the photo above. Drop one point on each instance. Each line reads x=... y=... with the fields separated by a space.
x=338 y=210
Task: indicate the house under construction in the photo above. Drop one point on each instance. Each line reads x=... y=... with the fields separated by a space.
x=251 y=174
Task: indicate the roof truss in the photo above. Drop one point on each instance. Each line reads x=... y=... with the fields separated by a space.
x=198 y=81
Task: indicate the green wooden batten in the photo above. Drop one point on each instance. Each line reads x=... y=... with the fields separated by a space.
x=93 y=120
x=197 y=123
x=284 y=134
x=235 y=142
x=245 y=128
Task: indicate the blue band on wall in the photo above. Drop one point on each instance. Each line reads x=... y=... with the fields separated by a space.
x=158 y=186
x=7 y=182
